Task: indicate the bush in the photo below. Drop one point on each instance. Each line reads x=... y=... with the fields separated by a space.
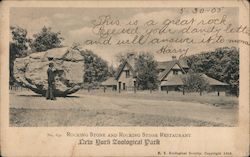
x=195 y=83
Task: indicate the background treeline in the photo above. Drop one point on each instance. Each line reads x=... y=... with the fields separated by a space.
x=21 y=45
x=96 y=69
x=221 y=64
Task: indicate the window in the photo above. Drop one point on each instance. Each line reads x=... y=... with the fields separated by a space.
x=175 y=72
x=127 y=73
x=161 y=70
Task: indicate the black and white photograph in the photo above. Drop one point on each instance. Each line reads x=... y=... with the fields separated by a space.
x=164 y=67
x=124 y=78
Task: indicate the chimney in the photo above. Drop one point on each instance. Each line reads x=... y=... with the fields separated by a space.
x=173 y=57
x=131 y=54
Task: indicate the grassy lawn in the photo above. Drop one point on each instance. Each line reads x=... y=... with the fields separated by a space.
x=96 y=108
x=207 y=98
x=72 y=117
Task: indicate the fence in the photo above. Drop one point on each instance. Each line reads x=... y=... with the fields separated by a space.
x=18 y=88
x=110 y=90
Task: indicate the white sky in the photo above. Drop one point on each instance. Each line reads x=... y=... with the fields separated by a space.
x=75 y=24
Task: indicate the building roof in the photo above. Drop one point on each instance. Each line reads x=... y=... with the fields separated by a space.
x=183 y=63
x=168 y=66
x=130 y=62
x=173 y=81
x=213 y=82
x=109 y=82
x=178 y=80
x=164 y=65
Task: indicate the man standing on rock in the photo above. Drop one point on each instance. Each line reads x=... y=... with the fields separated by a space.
x=51 y=82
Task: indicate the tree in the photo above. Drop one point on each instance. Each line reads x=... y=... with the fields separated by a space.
x=195 y=83
x=230 y=69
x=146 y=70
x=18 y=46
x=122 y=57
x=221 y=64
x=46 y=39
x=111 y=71
x=96 y=69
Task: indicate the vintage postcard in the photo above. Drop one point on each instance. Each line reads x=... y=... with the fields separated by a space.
x=128 y=78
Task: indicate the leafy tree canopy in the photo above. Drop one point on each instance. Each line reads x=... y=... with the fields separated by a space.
x=146 y=69
x=19 y=42
x=18 y=47
x=96 y=69
x=195 y=83
x=46 y=39
x=221 y=64
x=111 y=71
x=121 y=57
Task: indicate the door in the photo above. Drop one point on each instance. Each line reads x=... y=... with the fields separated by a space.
x=119 y=86
x=124 y=86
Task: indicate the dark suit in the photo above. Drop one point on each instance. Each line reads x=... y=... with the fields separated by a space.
x=51 y=84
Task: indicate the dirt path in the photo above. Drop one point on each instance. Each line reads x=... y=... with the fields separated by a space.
x=146 y=108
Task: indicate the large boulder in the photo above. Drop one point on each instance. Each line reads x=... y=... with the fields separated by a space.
x=31 y=71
